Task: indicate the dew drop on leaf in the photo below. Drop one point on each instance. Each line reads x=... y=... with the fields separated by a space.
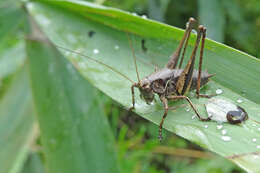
x=144 y=16
x=239 y=100
x=135 y=14
x=226 y=138
x=219 y=91
x=224 y=132
x=116 y=47
x=95 y=51
x=219 y=126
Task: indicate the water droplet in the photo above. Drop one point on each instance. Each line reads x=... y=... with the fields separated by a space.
x=226 y=138
x=188 y=109
x=95 y=51
x=258 y=146
x=219 y=91
x=256 y=156
x=258 y=129
x=224 y=132
x=135 y=14
x=206 y=126
x=144 y=16
x=254 y=125
x=239 y=100
x=193 y=117
x=116 y=47
x=219 y=126
x=254 y=140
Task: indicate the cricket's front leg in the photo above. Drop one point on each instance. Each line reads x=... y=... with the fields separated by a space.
x=133 y=96
x=165 y=105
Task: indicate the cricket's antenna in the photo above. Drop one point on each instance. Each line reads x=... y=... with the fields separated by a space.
x=133 y=52
x=95 y=60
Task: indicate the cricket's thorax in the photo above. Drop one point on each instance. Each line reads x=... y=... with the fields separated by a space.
x=164 y=82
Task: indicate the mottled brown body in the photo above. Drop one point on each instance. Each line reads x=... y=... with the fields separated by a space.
x=164 y=81
x=171 y=82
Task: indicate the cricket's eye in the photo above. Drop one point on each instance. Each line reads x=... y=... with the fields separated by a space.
x=146 y=86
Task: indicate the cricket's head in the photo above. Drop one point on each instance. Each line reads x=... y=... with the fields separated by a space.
x=146 y=92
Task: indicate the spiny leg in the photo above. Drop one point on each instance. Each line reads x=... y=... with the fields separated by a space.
x=165 y=105
x=184 y=81
x=175 y=56
x=200 y=64
x=133 y=96
x=184 y=49
x=192 y=106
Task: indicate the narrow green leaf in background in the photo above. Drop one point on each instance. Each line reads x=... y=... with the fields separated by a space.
x=75 y=134
x=16 y=124
x=12 y=55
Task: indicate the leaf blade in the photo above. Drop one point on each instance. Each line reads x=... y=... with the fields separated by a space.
x=68 y=116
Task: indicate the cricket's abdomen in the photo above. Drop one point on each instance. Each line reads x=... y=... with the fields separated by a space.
x=205 y=76
x=164 y=81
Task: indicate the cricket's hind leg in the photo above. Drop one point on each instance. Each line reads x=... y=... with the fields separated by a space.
x=203 y=31
x=193 y=26
x=191 y=104
x=164 y=100
x=172 y=63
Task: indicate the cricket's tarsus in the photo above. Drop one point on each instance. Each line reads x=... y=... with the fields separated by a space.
x=171 y=83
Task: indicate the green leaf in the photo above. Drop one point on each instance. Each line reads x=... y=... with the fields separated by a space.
x=16 y=124
x=75 y=134
x=68 y=24
x=12 y=55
